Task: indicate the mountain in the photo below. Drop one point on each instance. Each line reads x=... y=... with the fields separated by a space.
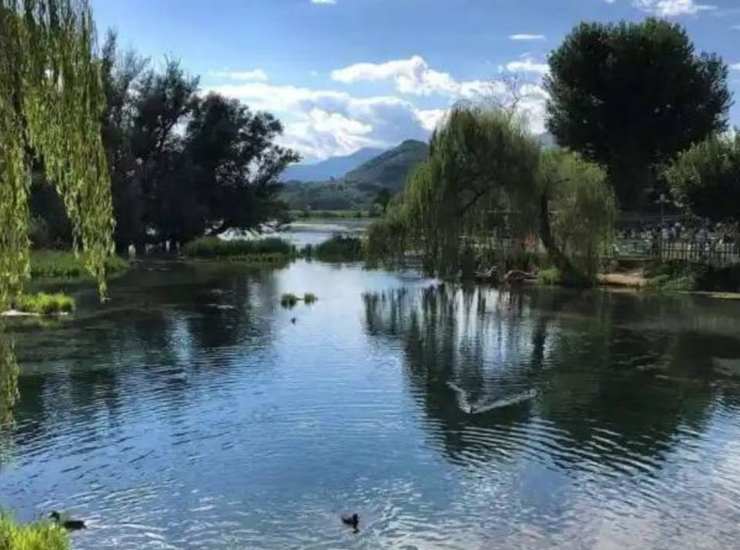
x=390 y=169
x=334 y=167
x=359 y=187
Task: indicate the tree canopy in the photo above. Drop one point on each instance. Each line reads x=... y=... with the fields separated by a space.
x=487 y=175
x=51 y=103
x=706 y=179
x=631 y=95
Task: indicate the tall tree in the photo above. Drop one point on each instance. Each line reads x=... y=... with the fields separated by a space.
x=51 y=103
x=235 y=162
x=632 y=95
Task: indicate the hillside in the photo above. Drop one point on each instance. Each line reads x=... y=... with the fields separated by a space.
x=359 y=187
x=390 y=169
x=334 y=167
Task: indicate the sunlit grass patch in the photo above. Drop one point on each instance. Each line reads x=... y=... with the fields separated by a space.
x=44 y=304
x=42 y=535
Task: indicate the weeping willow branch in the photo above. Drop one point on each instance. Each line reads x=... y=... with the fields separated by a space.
x=51 y=104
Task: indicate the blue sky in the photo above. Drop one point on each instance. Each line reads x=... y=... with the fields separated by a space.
x=343 y=74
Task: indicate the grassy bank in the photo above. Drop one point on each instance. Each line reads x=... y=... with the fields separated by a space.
x=682 y=276
x=58 y=264
x=337 y=249
x=264 y=251
x=42 y=535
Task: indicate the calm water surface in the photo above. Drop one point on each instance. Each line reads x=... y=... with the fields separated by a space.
x=190 y=412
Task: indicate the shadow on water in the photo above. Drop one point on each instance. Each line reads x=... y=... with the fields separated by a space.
x=602 y=377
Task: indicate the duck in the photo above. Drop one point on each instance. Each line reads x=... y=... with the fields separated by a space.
x=68 y=524
x=352 y=520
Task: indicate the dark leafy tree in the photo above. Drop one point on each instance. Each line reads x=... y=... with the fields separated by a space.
x=383 y=198
x=630 y=96
x=706 y=179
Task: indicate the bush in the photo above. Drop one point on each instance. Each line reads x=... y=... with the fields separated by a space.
x=215 y=248
x=45 y=304
x=64 y=265
x=550 y=276
x=339 y=248
x=41 y=535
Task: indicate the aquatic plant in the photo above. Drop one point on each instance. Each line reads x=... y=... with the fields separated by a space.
x=340 y=248
x=41 y=535
x=309 y=298
x=65 y=265
x=289 y=300
x=45 y=304
x=215 y=248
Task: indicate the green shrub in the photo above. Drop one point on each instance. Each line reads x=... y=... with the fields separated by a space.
x=289 y=300
x=550 y=276
x=215 y=248
x=42 y=535
x=339 y=248
x=45 y=304
x=60 y=264
x=310 y=298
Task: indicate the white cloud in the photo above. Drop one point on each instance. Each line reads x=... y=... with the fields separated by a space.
x=672 y=8
x=324 y=2
x=255 y=74
x=527 y=37
x=735 y=66
x=412 y=76
x=322 y=123
x=527 y=65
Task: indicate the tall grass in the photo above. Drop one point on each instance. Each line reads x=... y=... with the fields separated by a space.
x=64 y=265
x=42 y=535
x=339 y=248
x=214 y=248
x=45 y=304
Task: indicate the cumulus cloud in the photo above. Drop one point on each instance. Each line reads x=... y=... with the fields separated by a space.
x=322 y=123
x=255 y=74
x=526 y=37
x=324 y=2
x=672 y=8
x=735 y=66
x=411 y=76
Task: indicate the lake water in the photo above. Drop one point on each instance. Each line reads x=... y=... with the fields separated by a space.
x=191 y=412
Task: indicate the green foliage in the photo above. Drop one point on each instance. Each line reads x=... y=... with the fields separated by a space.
x=45 y=304
x=289 y=300
x=340 y=248
x=706 y=179
x=42 y=535
x=550 y=276
x=310 y=298
x=681 y=276
x=9 y=371
x=215 y=248
x=582 y=209
x=482 y=161
x=64 y=265
x=632 y=95
x=51 y=104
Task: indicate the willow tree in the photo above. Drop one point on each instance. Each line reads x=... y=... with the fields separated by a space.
x=486 y=172
x=482 y=162
x=51 y=104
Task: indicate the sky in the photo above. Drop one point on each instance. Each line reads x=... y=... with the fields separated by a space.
x=346 y=74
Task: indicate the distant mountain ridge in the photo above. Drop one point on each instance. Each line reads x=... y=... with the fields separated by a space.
x=359 y=186
x=331 y=168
